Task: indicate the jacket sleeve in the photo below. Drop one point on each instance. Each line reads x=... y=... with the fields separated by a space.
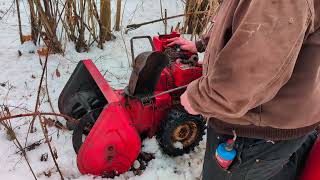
x=255 y=63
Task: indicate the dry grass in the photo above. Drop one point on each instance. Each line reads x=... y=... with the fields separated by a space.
x=55 y=22
x=197 y=24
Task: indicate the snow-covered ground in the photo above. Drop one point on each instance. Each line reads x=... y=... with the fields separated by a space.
x=20 y=76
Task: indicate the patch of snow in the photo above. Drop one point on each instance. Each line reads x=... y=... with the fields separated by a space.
x=178 y=145
x=150 y=145
x=136 y=164
x=28 y=48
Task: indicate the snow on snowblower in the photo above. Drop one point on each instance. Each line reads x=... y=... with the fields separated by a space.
x=114 y=121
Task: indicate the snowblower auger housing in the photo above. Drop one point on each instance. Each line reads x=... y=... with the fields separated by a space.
x=105 y=149
x=114 y=120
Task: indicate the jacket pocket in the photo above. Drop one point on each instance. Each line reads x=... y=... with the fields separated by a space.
x=265 y=169
x=265 y=159
x=255 y=148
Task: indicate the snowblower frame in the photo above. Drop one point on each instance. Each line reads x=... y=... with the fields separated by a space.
x=115 y=120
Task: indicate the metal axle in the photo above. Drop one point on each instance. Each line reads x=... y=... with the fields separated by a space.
x=162 y=93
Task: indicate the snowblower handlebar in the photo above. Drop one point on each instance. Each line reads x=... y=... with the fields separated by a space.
x=140 y=37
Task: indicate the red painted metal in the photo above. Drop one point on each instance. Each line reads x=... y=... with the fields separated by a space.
x=181 y=71
x=166 y=81
x=147 y=118
x=118 y=127
x=178 y=74
x=160 y=42
x=113 y=143
x=312 y=169
x=105 y=88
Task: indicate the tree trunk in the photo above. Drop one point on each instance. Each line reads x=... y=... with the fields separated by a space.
x=50 y=29
x=34 y=25
x=81 y=44
x=19 y=21
x=118 y=14
x=70 y=20
x=105 y=15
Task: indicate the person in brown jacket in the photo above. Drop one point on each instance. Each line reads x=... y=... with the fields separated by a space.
x=261 y=80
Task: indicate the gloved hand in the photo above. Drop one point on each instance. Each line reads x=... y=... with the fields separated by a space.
x=184 y=44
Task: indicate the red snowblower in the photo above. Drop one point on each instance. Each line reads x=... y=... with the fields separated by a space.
x=115 y=121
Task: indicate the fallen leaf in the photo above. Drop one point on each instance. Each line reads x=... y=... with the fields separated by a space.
x=55 y=154
x=44 y=157
x=48 y=121
x=58 y=73
x=48 y=174
x=43 y=52
x=26 y=38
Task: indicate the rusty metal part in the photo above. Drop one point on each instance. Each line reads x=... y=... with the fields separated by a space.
x=175 y=53
x=147 y=68
x=193 y=60
x=146 y=100
x=172 y=54
x=185 y=133
x=165 y=92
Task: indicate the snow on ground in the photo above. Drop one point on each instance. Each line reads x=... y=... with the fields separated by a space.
x=20 y=76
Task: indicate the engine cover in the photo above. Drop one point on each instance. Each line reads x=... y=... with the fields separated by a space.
x=184 y=74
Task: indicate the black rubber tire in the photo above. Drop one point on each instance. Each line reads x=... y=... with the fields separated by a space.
x=168 y=126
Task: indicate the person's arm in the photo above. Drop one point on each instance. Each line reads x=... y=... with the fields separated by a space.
x=256 y=62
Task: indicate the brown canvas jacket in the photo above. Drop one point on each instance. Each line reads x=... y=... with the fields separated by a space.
x=261 y=69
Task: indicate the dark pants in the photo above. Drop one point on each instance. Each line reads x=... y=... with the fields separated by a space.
x=258 y=159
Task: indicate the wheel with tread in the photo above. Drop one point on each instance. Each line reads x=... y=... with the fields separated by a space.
x=180 y=133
